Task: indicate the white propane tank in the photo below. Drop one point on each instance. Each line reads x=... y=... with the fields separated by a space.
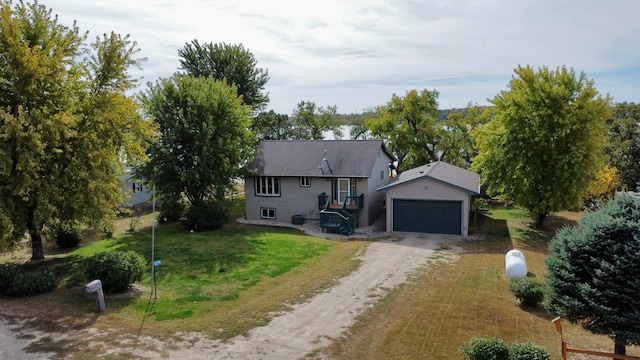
x=515 y=265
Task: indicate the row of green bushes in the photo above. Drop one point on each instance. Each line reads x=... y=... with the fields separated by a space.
x=498 y=349
x=202 y=216
x=117 y=270
x=17 y=283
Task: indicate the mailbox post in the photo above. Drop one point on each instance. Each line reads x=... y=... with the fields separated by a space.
x=95 y=288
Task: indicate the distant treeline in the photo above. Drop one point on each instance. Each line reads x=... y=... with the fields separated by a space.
x=352 y=119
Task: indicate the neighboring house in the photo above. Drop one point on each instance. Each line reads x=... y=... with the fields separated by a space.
x=317 y=179
x=134 y=192
x=433 y=198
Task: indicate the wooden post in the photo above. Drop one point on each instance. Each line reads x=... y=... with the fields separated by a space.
x=558 y=325
x=566 y=349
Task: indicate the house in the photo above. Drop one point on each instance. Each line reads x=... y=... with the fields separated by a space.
x=331 y=181
x=133 y=191
x=433 y=198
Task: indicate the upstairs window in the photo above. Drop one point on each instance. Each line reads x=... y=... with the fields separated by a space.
x=267 y=186
x=305 y=181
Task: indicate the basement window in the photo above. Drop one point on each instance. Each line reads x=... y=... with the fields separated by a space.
x=267 y=213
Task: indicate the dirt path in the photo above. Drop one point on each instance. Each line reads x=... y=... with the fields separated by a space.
x=312 y=325
x=309 y=327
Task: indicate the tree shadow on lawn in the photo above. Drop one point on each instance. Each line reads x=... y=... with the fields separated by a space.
x=495 y=235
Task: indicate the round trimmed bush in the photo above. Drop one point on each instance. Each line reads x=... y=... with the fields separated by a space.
x=68 y=236
x=485 y=349
x=528 y=351
x=529 y=290
x=206 y=215
x=117 y=270
x=171 y=210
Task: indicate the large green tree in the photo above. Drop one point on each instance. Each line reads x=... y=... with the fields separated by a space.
x=309 y=121
x=230 y=62
x=460 y=124
x=593 y=272
x=271 y=126
x=543 y=147
x=204 y=137
x=623 y=143
x=412 y=130
x=66 y=124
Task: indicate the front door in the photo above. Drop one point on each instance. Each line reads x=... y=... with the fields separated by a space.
x=343 y=189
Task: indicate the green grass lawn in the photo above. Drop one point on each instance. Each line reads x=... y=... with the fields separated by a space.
x=221 y=282
x=447 y=304
x=226 y=282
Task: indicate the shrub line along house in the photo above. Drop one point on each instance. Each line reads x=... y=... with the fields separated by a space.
x=345 y=184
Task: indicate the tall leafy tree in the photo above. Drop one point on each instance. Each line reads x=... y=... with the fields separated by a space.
x=309 y=122
x=593 y=272
x=272 y=126
x=412 y=130
x=204 y=137
x=460 y=124
x=359 y=129
x=230 y=62
x=66 y=123
x=623 y=145
x=543 y=146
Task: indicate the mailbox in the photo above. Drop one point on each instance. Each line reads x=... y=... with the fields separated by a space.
x=95 y=288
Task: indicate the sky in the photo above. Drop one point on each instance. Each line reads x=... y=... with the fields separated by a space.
x=356 y=54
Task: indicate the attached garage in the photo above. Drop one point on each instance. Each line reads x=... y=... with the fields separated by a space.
x=427 y=216
x=434 y=198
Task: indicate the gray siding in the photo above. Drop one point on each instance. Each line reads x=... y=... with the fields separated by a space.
x=293 y=199
x=426 y=189
x=374 y=200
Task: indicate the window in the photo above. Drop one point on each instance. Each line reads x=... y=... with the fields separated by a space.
x=267 y=213
x=267 y=186
x=305 y=181
x=136 y=187
x=381 y=174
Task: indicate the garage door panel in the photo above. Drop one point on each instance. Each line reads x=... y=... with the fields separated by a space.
x=428 y=216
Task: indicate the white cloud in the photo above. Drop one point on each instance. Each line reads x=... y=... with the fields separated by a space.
x=356 y=54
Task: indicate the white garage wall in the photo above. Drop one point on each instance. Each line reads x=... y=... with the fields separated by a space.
x=427 y=189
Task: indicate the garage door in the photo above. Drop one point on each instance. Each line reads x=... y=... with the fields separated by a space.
x=427 y=216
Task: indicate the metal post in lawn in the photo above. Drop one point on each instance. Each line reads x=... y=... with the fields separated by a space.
x=153 y=241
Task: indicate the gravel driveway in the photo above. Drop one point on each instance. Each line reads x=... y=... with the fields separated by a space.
x=308 y=327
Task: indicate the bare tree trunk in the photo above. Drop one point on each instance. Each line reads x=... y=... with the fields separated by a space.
x=620 y=347
x=540 y=220
x=37 y=250
x=35 y=233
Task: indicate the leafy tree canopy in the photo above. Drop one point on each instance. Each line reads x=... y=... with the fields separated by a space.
x=309 y=122
x=229 y=62
x=272 y=126
x=623 y=143
x=460 y=123
x=543 y=146
x=66 y=124
x=204 y=137
x=593 y=272
x=412 y=130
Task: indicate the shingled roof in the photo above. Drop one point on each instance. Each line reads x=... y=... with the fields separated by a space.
x=328 y=158
x=440 y=171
